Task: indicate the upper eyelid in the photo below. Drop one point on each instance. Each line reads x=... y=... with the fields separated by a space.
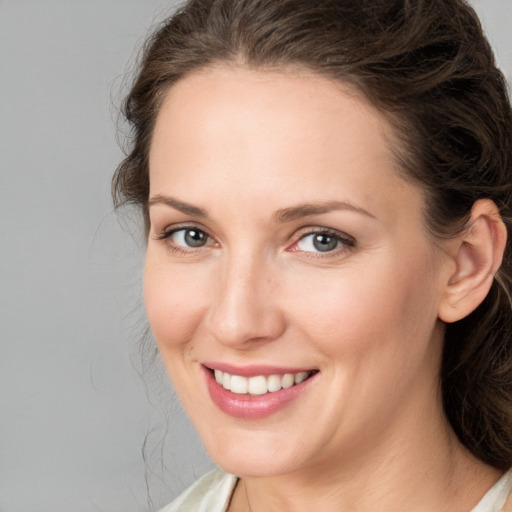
x=173 y=228
x=310 y=230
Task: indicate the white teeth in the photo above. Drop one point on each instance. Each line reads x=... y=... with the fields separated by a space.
x=274 y=383
x=239 y=384
x=288 y=380
x=258 y=385
x=226 y=380
x=299 y=377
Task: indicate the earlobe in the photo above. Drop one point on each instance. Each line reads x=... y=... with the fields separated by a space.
x=478 y=252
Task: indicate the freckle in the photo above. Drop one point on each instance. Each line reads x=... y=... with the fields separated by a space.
x=273 y=284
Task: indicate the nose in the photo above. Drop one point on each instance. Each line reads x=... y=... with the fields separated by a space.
x=244 y=309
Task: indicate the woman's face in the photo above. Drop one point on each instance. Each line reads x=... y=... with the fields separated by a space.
x=285 y=246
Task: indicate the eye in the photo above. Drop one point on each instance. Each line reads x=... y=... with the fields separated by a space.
x=322 y=242
x=188 y=237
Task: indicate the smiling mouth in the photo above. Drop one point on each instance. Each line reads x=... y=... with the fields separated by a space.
x=260 y=384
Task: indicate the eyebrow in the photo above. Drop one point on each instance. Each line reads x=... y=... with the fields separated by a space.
x=308 y=209
x=280 y=216
x=186 y=208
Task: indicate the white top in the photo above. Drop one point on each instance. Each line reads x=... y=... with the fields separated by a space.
x=212 y=493
x=497 y=495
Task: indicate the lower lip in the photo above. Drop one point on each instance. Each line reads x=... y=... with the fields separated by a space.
x=253 y=407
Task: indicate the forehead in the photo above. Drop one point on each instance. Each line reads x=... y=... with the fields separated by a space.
x=290 y=104
x=231 y=130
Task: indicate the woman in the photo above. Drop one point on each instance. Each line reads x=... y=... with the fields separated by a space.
x=327 y=194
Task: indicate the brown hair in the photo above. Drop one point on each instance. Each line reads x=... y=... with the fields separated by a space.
x=428 y=66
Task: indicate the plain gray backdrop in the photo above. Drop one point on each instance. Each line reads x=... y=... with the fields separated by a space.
x=74 y=411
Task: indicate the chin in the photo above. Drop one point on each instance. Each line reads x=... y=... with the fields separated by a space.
x=255 y=455
x=253 y=468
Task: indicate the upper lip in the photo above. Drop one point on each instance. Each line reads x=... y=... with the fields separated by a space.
x=254 y=369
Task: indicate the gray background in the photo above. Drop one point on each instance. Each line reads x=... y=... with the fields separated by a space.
x=74 y=412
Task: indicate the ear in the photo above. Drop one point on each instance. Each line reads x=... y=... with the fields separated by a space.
x=477 y=253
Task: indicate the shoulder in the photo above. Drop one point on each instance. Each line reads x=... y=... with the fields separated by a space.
x=507 y=507
x=211 y=493
x=499 y=497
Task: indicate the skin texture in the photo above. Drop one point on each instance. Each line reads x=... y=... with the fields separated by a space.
x=368 y=433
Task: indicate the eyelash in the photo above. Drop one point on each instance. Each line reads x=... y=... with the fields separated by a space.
x=344 y=241
x=166 y=234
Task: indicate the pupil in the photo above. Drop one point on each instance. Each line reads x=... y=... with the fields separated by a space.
x=195 y=238
x=324 y=243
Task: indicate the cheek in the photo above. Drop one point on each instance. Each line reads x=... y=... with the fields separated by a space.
x=173 y=300
x=367 y=308
x=375 y=334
